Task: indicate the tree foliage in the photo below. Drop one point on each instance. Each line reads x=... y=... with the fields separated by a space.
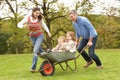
x=15 y=40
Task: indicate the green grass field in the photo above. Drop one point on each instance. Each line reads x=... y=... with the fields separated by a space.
x=16 y=67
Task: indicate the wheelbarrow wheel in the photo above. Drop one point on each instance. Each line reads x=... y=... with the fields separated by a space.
x=47 y=68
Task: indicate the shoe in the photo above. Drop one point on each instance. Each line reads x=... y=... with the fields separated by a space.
x=48 y=50
x=99 y=67
x=38 y=54
x=43 y=53
x=88 y=64
x=33 y=71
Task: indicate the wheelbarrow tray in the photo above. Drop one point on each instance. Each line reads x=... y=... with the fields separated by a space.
x=53 y=58
x=58 y=56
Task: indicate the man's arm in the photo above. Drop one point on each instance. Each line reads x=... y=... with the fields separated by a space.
x=90 y=42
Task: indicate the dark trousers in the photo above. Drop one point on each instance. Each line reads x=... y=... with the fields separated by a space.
x=91 y=51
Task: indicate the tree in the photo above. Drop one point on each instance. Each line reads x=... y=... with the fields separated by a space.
x=51 y=14
x=56 y=17
x=9 y=25
x=84 y=7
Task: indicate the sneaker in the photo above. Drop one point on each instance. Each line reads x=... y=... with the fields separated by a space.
x=48 y=50
x=38 y=54
x=33 y=71
x=99 y=67
x=88 y=64
x=43 y=53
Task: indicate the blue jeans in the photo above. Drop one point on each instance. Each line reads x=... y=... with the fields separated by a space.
x=37 y=41
x=91 y=51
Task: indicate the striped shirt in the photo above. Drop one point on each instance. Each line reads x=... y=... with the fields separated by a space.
x=25 y=20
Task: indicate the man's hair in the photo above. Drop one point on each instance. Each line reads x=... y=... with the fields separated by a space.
x=73 y=12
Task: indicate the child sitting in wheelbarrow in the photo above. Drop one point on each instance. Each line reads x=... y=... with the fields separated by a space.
x=70 y=42
x=63 y=52
x=60 y=47
x=66 y=43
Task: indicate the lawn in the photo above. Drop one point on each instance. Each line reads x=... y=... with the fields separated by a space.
x=16 y=67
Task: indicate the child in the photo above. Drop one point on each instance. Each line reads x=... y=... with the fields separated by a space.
x=70 y=42
x=60 y=47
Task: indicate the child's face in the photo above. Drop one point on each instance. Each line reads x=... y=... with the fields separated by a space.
x=68 y=37
x=60 y=40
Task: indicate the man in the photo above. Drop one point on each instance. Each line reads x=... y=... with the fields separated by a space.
x=85 y=29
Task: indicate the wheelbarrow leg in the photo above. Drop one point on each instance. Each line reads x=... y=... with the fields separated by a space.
x=64 y=69
x=75 y=67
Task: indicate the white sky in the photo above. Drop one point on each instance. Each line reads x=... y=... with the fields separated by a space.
x=98 y=6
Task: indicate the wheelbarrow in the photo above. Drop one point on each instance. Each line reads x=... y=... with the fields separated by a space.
x=47 y=67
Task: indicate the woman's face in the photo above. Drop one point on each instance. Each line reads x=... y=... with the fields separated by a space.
x=36 y=13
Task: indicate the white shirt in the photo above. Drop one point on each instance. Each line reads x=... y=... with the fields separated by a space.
x=70 y=46
x=25 y=20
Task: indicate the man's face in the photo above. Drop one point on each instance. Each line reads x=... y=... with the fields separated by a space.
x=73 y=17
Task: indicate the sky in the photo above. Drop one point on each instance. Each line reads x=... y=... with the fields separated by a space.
x=98 y=6
x=97 y=9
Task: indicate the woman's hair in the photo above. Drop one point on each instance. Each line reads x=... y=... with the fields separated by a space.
x=72 y=34
x=36 y=9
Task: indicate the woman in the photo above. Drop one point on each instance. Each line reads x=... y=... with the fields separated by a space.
x=34 y=23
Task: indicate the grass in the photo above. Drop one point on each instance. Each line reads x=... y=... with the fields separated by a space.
x=16 y=67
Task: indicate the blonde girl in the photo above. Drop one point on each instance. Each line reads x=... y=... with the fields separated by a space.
x=70 y=41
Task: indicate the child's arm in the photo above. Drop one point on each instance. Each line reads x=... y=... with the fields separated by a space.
x=71 y=46
x=55 y=48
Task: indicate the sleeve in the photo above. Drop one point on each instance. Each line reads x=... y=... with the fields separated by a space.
x=90 y=27
x=22 y=22
x=45 y=26
x=76 y=30
x=77 y=35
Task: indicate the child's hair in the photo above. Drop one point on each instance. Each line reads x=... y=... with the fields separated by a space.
x=62 y=37
x=72 y=34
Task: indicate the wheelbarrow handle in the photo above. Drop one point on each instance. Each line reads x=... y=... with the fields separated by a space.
x=81 y=51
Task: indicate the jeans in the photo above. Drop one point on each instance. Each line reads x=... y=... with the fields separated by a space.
x=91 y=51
x=37 y=41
